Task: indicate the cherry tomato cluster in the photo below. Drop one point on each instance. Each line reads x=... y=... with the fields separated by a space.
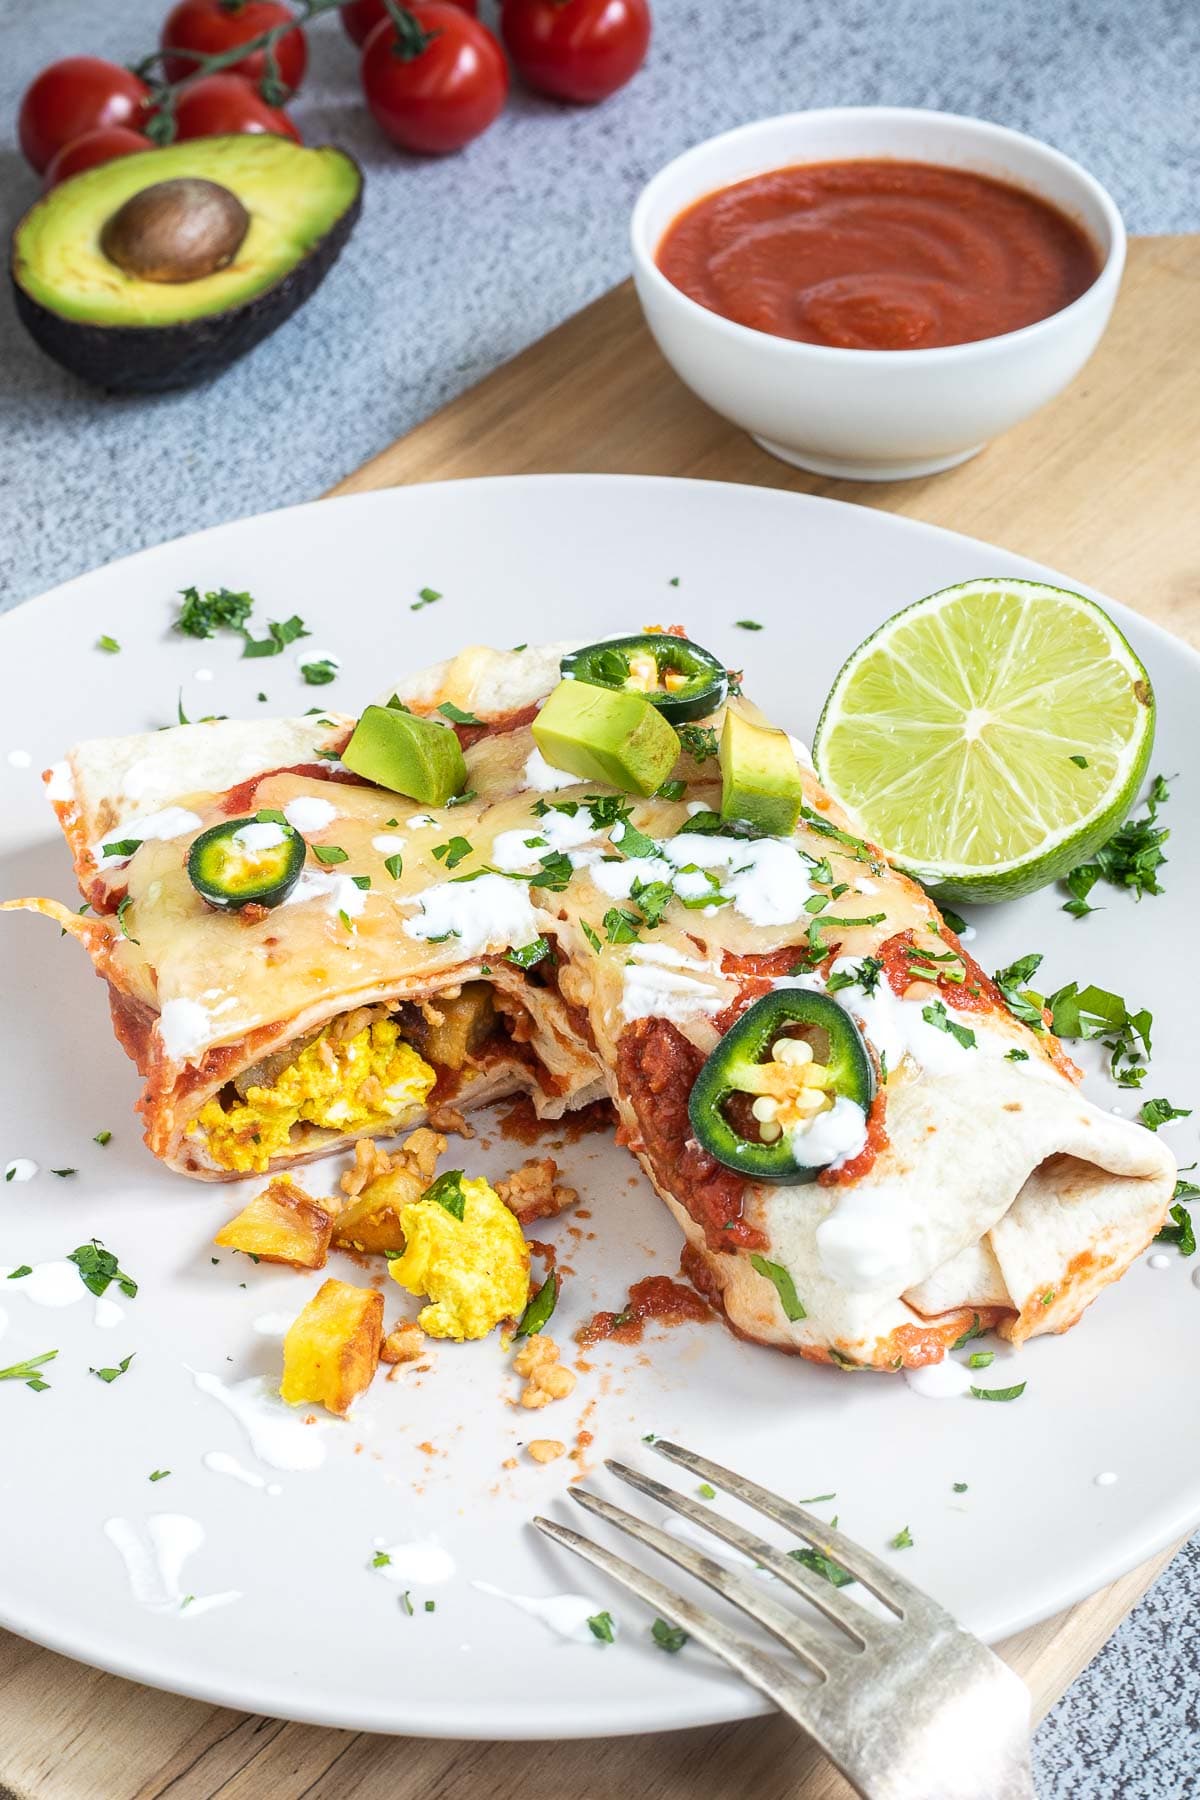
x=433 y=75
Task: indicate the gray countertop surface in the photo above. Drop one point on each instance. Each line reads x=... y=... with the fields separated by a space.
x=457 y=265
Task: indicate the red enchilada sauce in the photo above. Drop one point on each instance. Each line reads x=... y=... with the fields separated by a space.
x=878 y=255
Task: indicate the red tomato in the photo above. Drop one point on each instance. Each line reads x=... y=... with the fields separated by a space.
x=209 y=27
x=92 y=148
x=576 y=49
x=224 y=106
x=437 y=83
x=360 y=17
x=76 y=95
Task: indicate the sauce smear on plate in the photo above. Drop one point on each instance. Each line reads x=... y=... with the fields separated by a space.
x=878 y=255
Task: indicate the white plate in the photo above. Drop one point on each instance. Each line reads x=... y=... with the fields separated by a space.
x=316 y=1634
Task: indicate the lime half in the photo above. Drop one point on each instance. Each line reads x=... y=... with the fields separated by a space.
x=989 y=737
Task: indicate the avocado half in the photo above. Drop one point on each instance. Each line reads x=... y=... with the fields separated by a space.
x=133 y=335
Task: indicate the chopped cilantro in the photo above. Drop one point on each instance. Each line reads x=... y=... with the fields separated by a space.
x=697 y=741
x=601 y=1626
x=540 y=1309
x=19 y=1274
x=671 y=790
x=330 y=853
x=425 y=597
x=630 y=841
x=279 y=635
x=590 y=935
x=347 y=921
x=109 y=644
x=652 y=899
x=936 y=1015
x=380 y=1560
x=1081 y=762
x=822 y=1565
x=159 y=1474
x=453 y=852
x=706 y=1491
x=110 y=1375
x=431 y=1606
x=406 y=1602
x=217 y=610
x=668 y=1637
x=1130 y=859
x=902 y=1540
x=319 y=673
x=1016 y=1055
x=63 y=1173
x=456 y=715
x=98 y=1268
x=620 y=926
x=1181 y=1232
x=448 y=1192
x=974 y=1329
x=1008 y=1393
x=981 y=1359
x=361 y=881
x=1013 y=984
x=123 y=907
x=747 y=624
x=816 y=1499
x=27 y=1371
x=395 y=866
x=1093 y=1012
x=529 y=954
x=954 y=920
x=1160 y=1112
x=554 y=872
x=783 y=1284
x=960 y=1487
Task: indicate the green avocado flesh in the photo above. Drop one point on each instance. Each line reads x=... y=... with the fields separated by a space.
x=601 y=734
x=409 y=755
x=760 y=777
x=294 y=197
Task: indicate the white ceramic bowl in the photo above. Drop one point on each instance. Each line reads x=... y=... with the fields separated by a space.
x=874 y=415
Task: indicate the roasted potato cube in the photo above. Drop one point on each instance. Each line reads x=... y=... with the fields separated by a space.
x=371 y=1220
x=331 y=1350
x=282 y=1225
x=448 y=1030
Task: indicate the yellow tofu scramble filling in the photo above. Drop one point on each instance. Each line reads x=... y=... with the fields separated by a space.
x=354 y=1084
x=468 y=1257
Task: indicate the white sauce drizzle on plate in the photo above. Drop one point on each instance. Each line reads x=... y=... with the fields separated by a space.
x=273 y=1324
x=422 y=1563
x=19 y=759
x=21 y=1168
x=946 y=1380
x=53 y=1284
x=567 y=1614
x=1107 y=1479
x=154 y=1557
x=221 y=1463
x=477 y=914
x=278 y=1434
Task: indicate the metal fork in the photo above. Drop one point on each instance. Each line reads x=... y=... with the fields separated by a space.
x=913 y=1708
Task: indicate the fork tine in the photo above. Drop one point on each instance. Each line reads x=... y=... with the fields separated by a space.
x=898 y=1595
x=862 y=1626
x=821 y=1654
x=756 y=1666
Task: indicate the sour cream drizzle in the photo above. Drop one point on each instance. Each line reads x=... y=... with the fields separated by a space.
x=278 y=1435
x=154 y=1555
x=567 y=1614
x=221 y=1463
x=423 y=1562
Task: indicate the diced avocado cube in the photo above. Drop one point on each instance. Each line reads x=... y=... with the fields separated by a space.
x=601 y=734
x=760 y=777
x=411 y=756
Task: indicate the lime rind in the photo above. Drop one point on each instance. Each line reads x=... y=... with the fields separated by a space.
x=950 y=733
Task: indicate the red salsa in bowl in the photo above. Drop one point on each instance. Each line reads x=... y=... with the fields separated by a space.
x=878 y=255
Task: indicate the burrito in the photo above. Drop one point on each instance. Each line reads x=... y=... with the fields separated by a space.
x=869 y=1147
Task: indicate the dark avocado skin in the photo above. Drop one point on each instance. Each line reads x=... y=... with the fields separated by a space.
x=133 y=359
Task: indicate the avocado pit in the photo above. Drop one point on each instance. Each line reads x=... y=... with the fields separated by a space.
x=176 y=231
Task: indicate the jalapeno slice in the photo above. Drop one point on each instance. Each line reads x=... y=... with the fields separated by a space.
x=683 y=680
x=786 y=1091
x=247 y=861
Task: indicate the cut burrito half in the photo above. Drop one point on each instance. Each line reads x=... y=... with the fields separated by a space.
x=272 y=1033
x=866 y=1150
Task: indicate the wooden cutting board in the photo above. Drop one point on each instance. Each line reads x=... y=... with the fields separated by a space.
x=1102 y=484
